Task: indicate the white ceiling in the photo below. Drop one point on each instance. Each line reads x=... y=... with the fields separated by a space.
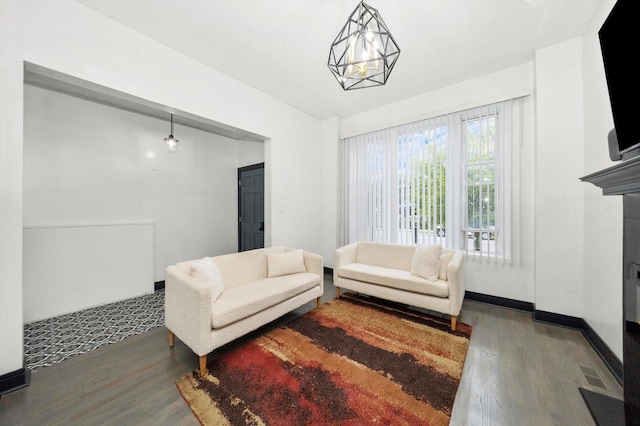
x=281 y=46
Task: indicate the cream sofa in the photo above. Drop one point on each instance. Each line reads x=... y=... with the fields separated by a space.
x=256 y=287
x=385 y=271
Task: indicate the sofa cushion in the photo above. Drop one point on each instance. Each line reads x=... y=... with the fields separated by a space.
x=289 y=262
x=248 y=299
x=444 y=264
x=426 y=261
x=244 y=267
x=395 y=278
x=207 y=271
x=394 y=256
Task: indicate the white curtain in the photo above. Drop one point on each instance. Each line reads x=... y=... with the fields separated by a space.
x=443 y=180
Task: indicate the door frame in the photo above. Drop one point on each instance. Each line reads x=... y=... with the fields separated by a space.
x=240 y=170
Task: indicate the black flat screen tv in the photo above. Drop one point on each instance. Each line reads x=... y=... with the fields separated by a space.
x=619 y=40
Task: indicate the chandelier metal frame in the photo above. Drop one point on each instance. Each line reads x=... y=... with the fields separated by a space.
x=364 y=52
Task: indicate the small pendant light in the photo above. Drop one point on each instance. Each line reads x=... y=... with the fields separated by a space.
x=171 y=142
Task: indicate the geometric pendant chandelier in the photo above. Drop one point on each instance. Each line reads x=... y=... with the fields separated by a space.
x=364 y=52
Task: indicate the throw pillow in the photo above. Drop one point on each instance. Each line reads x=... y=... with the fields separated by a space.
x=444 y=263
x=426 y=261
x=207 y=271
x=289 y=262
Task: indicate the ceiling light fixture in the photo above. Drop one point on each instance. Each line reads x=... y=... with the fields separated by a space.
x=171 y=142
x=364 y=52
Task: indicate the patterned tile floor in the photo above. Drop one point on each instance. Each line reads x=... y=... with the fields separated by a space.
x=52 y=340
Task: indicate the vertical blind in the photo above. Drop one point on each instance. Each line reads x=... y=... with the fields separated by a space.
x=440 y=180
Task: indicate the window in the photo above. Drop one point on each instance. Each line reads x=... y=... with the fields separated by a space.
x=441 y=180
x=422 y=182
x=480 y=141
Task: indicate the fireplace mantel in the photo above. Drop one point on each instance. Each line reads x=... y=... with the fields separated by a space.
x=620 y=179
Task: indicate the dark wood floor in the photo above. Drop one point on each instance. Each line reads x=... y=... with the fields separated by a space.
x=517 y=372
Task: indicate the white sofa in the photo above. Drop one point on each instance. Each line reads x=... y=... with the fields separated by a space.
x=258 y=287
x=385 y=271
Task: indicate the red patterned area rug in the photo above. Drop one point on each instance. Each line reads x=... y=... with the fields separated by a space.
x=354 y=361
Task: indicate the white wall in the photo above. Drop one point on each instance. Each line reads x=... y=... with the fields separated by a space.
x=512 y=280
x=11 y=76
x=559 y=157
x=70 y=38
x=330 y=193
x=506 y=84
x=603 y=216
x=250 y=153
x=70 y=268
x=87 y=163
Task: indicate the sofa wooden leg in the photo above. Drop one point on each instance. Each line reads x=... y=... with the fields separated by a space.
x=337 y=292
x=318 y=303
x=171 y=338
x=203 y=365
x=453 y=322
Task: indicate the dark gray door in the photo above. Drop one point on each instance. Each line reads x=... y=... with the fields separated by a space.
x=251 y=207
